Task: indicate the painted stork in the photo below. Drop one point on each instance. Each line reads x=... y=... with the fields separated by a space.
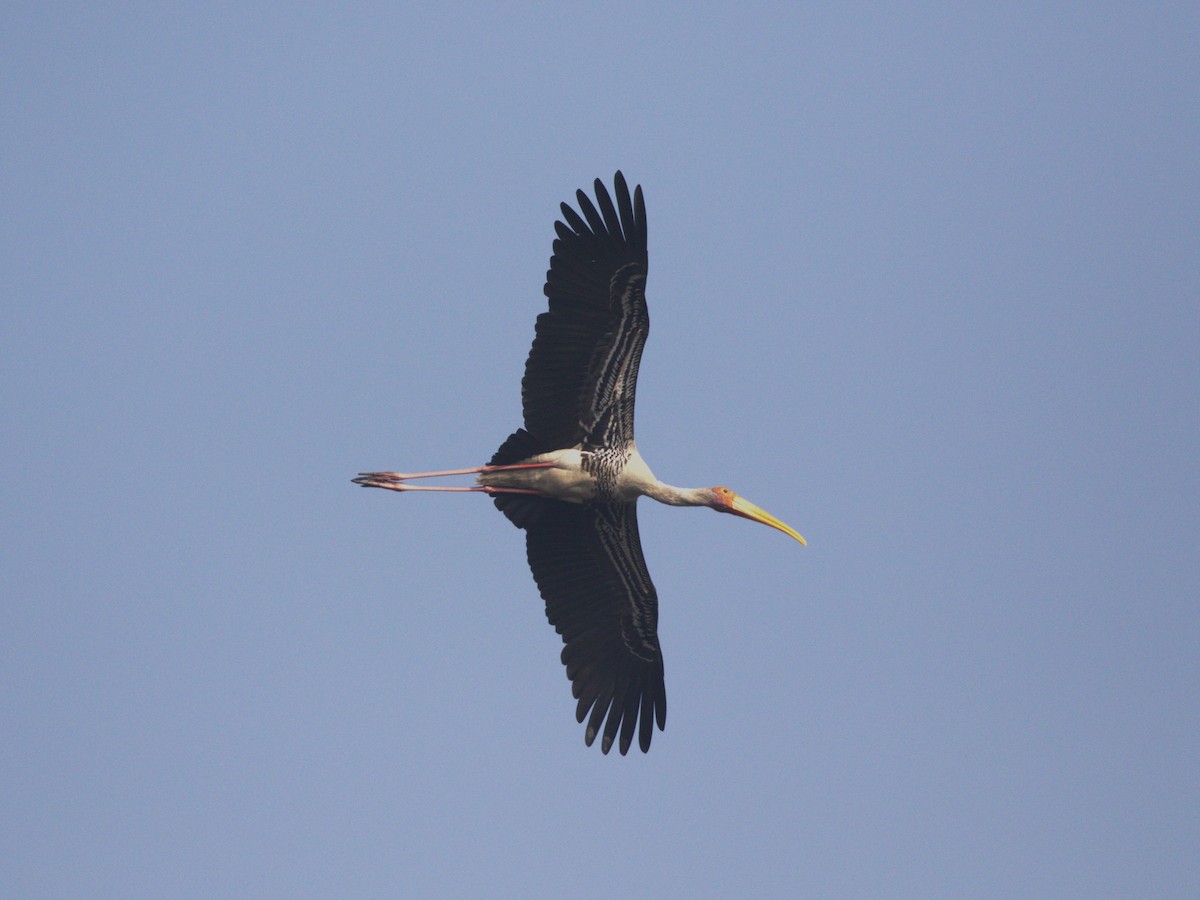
x=572 y=476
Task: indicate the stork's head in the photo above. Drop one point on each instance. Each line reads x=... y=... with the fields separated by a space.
x=725 y=500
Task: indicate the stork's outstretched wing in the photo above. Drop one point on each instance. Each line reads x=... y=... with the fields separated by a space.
x=579 y=386
x=587 y=561
x=581 y=374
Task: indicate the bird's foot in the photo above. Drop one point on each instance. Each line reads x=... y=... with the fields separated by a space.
x=392 y=481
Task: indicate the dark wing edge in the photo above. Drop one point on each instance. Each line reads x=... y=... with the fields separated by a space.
x=588 y=564
x=581 y=374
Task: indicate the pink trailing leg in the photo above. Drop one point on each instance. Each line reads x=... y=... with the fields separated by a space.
x=397 y=481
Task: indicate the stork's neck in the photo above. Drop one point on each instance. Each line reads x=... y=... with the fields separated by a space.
x=677 y=496
x=639 y=480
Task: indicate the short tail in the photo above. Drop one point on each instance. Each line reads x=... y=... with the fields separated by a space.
x=522 y=510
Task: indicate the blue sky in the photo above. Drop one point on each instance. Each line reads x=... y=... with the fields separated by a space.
x=924 y=283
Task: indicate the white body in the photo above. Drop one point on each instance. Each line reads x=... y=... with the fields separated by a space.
x=567 y=480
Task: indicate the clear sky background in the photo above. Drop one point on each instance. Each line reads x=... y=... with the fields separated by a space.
x=924 y=283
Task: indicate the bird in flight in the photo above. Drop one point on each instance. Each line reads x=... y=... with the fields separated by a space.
x=572 y=475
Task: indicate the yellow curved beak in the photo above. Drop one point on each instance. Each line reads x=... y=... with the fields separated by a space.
x=748 y=510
